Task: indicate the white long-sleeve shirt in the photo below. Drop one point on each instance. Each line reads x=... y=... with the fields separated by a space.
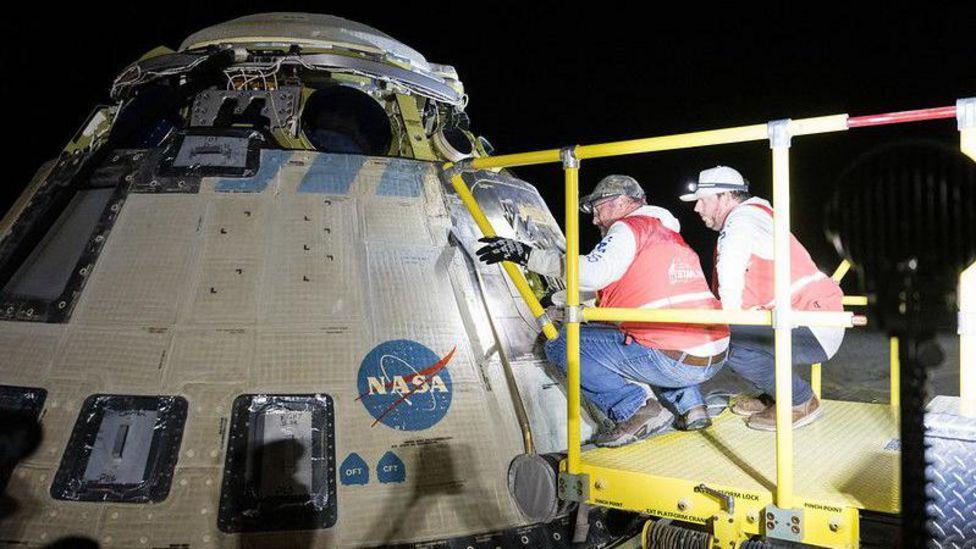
x=749 y=231
x=609 y=260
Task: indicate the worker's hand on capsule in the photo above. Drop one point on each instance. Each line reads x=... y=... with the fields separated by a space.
x=497 y=249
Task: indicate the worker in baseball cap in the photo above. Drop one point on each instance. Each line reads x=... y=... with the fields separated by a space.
x=743 y=279
x=611 y=186
x=641 y=262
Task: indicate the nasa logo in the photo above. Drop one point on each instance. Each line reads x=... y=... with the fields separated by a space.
x=405 y=385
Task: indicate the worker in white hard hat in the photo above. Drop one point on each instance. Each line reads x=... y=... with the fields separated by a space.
x=641 y=262
x=743 y=279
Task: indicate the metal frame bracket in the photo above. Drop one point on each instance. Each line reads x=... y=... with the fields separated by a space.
x=574 y=314
x=573 y=487
x=568 y=157
x=726 y=531
x=966 y=113
x=783 y=524
x=420 y=144
x=459 y=167
x=782 y=319
x=543 y=320
x=780 y=134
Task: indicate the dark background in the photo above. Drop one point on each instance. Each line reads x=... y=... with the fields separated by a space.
x=550 y=75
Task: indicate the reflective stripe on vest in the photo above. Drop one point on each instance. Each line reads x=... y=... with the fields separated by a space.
x=798 y=285
x=668 y=302
x=665 y=272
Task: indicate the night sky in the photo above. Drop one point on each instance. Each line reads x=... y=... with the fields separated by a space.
x=548 y=76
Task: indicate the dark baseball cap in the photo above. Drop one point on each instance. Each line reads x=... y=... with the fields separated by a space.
x=612 y=185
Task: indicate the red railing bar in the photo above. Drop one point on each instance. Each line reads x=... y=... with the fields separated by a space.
x=901 y=117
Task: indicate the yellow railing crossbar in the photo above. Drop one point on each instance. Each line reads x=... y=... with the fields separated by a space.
x=843 y=319
x=725 y=136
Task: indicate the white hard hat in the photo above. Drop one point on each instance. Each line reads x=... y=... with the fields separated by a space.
x=717 y=180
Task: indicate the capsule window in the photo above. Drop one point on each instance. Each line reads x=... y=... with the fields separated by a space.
x=340 y=119
x=50 y=248
x=122 y=449
x=44 y=274
x=279 y=472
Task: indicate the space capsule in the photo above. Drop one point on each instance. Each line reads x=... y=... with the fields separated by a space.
x=243 y=307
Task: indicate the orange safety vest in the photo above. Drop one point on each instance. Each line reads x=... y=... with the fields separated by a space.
x=811 y=289
x=665 y=274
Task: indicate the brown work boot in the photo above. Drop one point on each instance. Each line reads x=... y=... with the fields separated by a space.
x=803 y=414
x=746 y=405
x=649 y=419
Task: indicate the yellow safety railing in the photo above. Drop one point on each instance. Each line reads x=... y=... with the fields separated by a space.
x=571 y=168
x=779 y=133
x=783 y=319
x=727 y=136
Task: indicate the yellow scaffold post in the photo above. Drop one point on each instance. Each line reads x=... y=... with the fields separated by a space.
x=779 y=142
x=894 y=374
x=572 y=323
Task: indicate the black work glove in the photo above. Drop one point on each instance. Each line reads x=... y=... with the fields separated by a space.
x=498 y=249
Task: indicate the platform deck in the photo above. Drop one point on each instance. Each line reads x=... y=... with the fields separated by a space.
x=849 y=458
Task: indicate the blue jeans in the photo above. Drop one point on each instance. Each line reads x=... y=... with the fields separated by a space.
x=751 y=356
x=612 y=372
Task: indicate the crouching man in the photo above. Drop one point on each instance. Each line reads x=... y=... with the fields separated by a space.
x=641 y=262
x=744 y=278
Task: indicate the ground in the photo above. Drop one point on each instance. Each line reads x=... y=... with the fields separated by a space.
x=860 y=371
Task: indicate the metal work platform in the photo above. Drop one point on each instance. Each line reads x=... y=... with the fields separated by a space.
x=735 y=459
x=725 y=476
x=807 y=487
